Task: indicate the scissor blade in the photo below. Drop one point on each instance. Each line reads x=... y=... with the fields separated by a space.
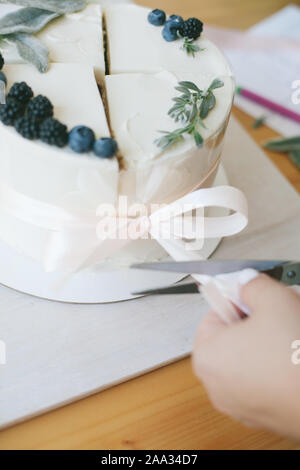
x=211 y=268
x=177 y=289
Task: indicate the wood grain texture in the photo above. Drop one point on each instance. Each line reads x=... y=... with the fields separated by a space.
x=167 y=409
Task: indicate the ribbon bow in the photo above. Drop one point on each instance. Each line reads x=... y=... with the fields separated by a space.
x=76 y=245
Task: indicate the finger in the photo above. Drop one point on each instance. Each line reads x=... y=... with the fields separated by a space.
x=264 y=294
x=219 y=303
x=210 y=325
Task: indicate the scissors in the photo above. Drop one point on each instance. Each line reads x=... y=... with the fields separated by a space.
x=218 y=281
x=283 y=271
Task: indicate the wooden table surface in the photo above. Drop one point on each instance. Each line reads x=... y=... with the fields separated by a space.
x=166 y=409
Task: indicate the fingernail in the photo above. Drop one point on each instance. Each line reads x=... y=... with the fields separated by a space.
x=247 y=275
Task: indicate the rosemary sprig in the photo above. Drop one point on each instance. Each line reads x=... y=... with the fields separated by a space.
x=190 y=48
x=190 y=108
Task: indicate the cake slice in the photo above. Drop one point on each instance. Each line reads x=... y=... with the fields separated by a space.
x=134 y=45
x=72 y=38
x=53 y=174
x=53 y=178
x=138 y=108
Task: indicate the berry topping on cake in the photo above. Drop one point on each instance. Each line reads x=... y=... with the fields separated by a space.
x=28 y=127
x=106 y=147
x=191 y=28
x=53 y=132
x=170 y=31
x=1 y=61
x=3 y=78
x=21 y=92
x=157 y=17
x=177 y=19
x=11 y=111
x=81 y=139
x=40 y=108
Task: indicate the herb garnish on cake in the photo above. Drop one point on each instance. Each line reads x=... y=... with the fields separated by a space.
x=190 y=109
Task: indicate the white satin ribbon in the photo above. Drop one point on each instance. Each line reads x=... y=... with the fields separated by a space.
x=73 y=243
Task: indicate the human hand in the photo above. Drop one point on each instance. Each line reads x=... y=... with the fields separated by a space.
x=247 y=366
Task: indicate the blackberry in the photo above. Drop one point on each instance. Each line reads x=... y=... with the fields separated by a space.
x=191 y=28
x=1 y=61
x=28 y=127
x=40 y=108
x=21 y=92
x=53 y=132
x=11 y=111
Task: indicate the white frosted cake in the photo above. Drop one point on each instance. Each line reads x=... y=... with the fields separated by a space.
x=142 y=48
x=73 y=38
x=139 y=73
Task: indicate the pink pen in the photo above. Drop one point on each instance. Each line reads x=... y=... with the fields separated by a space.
x=277 y=108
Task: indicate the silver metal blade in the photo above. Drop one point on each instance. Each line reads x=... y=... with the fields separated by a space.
x=211 y=268
x=177 y=289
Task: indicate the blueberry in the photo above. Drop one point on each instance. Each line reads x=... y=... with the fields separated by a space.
x=170 y=32
x=177 y=19
x=3 y=78
x=157 y=17
x=106 y=147
x=81 y=139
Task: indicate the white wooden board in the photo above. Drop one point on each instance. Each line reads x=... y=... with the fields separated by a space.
x=58 y=353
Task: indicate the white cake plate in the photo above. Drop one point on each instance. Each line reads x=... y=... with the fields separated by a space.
x=89 y=287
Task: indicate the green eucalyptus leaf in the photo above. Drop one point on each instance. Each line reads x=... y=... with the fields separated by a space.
x=295 y=158
x=198 y=138
x=183 y=90
x=259 y=122
x=31 y=50
x=217 y=83
x=284 y=145
x=26 y=20
x=189 y=85
x=58 y=6
x=194 y=112
x=179 y=100
x=208 y=103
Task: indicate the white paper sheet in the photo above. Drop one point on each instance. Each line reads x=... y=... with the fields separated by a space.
x=285 y=24
x=266 y=60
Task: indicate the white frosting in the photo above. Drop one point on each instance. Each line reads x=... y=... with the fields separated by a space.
x=47 y=173
x=139 y=105
x=51 y=173
x=72 y=38
x=137 y=46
